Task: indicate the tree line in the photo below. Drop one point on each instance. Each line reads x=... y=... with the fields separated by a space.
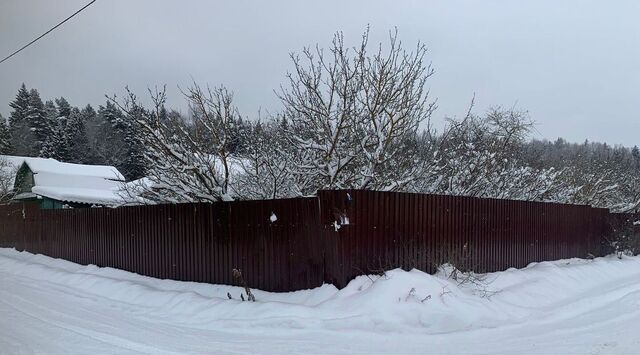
x=55 y=129
x=350 y=118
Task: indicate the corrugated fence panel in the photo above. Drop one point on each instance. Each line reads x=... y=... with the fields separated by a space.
x=292 y=244
x=405 y=230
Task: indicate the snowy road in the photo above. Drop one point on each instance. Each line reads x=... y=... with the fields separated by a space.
x=567 y=307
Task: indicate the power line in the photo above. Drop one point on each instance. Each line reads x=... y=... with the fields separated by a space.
x=44 y=34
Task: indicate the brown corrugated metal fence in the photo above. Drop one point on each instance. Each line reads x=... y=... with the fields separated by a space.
x=387 y=230
x=329 y=238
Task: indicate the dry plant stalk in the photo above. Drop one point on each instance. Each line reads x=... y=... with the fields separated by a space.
x=237 y=275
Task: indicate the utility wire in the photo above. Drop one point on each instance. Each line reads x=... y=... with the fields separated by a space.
x=46 y=33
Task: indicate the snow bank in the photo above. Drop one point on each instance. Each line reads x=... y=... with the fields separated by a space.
x=407 y=302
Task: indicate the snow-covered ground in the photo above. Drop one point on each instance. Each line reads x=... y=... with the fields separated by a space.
x=563 y=307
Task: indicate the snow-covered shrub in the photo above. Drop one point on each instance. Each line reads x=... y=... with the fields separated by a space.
x=595 y=174
x=479 y=156
x=7 y=174
x=187 y=161
x=624 y=235
x=265 y=164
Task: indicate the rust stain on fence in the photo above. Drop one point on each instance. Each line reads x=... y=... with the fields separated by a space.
x=292 y=244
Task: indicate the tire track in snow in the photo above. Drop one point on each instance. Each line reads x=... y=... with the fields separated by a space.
x=46 y=315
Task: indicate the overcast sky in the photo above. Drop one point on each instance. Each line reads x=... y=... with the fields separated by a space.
x=574 y=65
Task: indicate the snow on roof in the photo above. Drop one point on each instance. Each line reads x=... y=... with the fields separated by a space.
x=16 y=161
x=38 y=166
x=80 y=195
x=9 y=165
x=92 y=184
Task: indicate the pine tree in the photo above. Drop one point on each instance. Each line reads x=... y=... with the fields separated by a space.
x=37 y=120
x=5 y=137
x=113 y=116
x=76 y=136
x=88 y=114
x=92 y=124
x=133 y=167
x=59 y=145
x=163 y=115
x=121 y=145
x=19 y=106
x=22 y=140
x=51 y=112
x=239 y=133
x=55 y=146
x=109 y=143
x=64 y=108
x=67 y=135
x=635 y=154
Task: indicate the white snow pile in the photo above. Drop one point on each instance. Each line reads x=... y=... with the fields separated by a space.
x=568 y=306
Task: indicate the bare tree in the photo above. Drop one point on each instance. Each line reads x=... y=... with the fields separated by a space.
x=265 y=163
x=351 y=114
x=188 y=161
x=480 y=156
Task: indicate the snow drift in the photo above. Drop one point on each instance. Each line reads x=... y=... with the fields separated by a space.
x=398 y=305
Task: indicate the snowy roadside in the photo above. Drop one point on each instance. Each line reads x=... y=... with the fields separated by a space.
x=568 y=306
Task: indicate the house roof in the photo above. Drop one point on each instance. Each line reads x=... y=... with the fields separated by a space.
x=72 y=187
x=9 y=165
x=91 y=184
x=52 y=166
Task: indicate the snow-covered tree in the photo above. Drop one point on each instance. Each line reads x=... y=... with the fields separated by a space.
x=187 y=162
x=635 y=156
x=22 y=139
x=7 y=175
x=76 y=135
x=350 y=111
x=593 y=173
x=57 y=145
x=127 y=134
x=91 y=122
x=105 y=135
x=64 y=108
x=37 y=121
x=264 y=163
x=134 y=165
x=350 y=118
x=20 y=106
x=480 y=156
x=5 y=137
x=47 y=149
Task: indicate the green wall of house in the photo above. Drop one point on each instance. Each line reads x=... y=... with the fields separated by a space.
x=47 y=203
